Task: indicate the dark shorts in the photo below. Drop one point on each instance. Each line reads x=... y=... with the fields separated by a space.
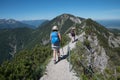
x=72 y=34
x=55 y=46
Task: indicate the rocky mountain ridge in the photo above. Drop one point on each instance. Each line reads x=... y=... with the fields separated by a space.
x=102 y=45
x=11 y=23
x=99 y=49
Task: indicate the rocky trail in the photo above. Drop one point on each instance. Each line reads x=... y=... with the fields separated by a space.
x=61 y=70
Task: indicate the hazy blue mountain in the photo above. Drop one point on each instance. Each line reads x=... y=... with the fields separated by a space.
x=11 y=23
x=35 y=23
x=110 y=23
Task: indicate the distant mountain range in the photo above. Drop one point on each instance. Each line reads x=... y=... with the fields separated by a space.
x=110 y=23
x=35 y=23
x=11 y=23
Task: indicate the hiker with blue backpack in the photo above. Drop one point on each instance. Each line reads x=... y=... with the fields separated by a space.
x=55 y=38
x=73 y=34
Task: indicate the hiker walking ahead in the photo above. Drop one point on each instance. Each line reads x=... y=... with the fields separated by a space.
x=73 y=34
x=55 y=38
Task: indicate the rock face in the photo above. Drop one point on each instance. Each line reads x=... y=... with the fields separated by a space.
x=114 y=41
x=100 y=61
x=100 y=40
x=96 y=55
x=12 y=53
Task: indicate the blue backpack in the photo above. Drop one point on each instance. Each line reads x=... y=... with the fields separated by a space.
x=54 y=38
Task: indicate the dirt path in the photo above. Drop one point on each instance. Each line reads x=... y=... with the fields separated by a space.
x=60 y=71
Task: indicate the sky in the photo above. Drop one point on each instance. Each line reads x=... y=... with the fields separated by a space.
x=49 y=9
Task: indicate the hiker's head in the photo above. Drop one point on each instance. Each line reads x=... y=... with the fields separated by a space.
x=55 y=28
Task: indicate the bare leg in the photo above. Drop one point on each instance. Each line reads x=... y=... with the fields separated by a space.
x=72 y=39
x=54 y=54
x=58 y=53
